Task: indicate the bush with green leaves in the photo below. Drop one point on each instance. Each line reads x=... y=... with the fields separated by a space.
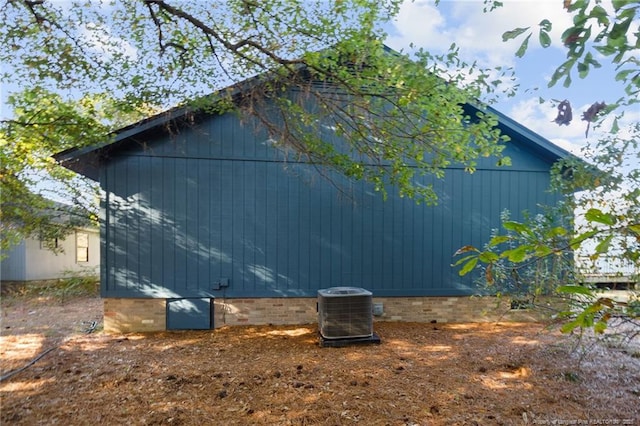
x=535 y=257
x=520 y=262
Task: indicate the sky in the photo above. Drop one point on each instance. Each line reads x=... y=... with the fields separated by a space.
x=479 y=37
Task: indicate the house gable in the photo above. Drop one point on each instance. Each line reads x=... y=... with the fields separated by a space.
x=206 y=205
x=215 y=210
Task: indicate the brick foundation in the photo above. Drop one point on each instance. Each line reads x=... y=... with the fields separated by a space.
x=265 y=311
x=141 y=315
x=134 y=315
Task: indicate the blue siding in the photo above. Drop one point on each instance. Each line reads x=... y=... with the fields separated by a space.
x=14 y=266
x=215 y=201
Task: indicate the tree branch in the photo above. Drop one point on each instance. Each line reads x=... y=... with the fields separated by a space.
x=233 y=47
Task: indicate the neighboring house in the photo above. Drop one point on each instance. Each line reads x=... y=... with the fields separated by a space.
x=32 y=260
x=208 y=226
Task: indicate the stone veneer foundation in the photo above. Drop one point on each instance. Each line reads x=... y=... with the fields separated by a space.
x=144 y=315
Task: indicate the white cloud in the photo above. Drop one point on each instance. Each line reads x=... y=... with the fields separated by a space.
x=420 y=23
x=478 y=34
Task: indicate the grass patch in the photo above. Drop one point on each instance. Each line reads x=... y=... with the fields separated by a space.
x=83 y=285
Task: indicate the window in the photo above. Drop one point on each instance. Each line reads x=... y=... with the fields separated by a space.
x=82 y=247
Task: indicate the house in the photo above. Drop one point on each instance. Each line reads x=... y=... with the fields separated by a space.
x=33 y=259
x=208 y=226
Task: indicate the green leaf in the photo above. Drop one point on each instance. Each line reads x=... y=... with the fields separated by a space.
x=574 y=289
x=620 y=29
x=589 y=59
x=464 y=259
x=498 y=239
x=518 y=227
x=543 y=250
x=583 y=69
x=504 y=161
x=603 y=246
x=596 y=215
x=599 y=327
x=517 y=254
x=606 y=50
x=545 y=25
x=599 y=13
x=635 y=228
x=545 y=39
x=488 y=257
x=577 y=5
x=615 y=128
x=523 y=47
x=508 y=35
x=557 y=231
x=623 y=75
x=576 y=241
x=468 y=267
x=569 y=327
x=562 y=70
x=617 y=4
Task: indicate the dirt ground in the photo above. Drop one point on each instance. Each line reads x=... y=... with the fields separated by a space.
x=421 y=374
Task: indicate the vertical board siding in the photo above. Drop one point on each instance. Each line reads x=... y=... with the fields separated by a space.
x=155 y=231
x=203 y=226
x=104 y=226
x=303 y=236
x=215 y=202
x=147 y=216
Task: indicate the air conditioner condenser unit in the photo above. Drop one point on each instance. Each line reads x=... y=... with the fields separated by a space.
x=345 y=313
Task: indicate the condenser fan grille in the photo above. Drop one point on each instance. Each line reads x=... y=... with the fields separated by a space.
x=345 y=312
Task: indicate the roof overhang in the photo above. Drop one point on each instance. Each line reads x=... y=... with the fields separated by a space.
x=88 y=160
